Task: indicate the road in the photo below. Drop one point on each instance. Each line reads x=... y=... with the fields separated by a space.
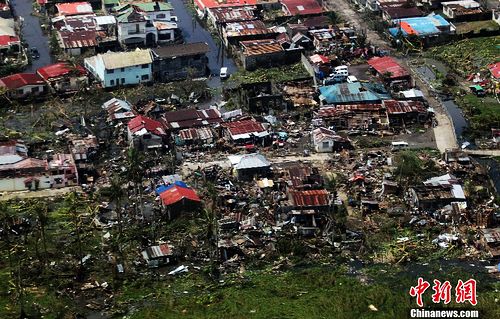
x=344 y=9
x=32 y=33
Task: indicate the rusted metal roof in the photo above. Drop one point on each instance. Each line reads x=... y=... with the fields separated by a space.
x=78 y=39
x=259 y=47
x=402 y=107
x=332 y=111
x=319 y=197
x=225 y=15
x=238 y=29
x=192 y=134
x=244 y=127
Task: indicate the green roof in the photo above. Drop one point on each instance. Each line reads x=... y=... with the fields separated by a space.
x=477 y=87
x=115 y=2
x=150 y=6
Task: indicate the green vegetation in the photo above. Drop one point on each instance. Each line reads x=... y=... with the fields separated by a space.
x=277 y=74
x=313 y=292
x=476 y=26
x=483 y=113
x=469 y=55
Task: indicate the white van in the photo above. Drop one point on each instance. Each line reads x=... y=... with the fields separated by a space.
x=396 y=146
x=223 y=73
x=352 y=79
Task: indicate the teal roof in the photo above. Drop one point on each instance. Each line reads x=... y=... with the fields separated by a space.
x=344 y=93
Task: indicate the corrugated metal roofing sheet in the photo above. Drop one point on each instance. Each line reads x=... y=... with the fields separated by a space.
x=318 y=197
x=176 y=194
x=387 y=64
x=258 y=47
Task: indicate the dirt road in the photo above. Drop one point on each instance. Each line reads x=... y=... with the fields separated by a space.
x=343 y=8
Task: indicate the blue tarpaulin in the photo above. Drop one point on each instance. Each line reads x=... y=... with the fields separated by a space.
x=160 y=189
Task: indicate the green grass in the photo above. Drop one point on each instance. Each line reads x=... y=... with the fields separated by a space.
x=277 y=74
x=476 y=26
x=483 y=113
x=317 y=292
x=469 y=55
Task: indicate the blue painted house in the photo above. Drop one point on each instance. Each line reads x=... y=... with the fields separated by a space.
x=113 y=69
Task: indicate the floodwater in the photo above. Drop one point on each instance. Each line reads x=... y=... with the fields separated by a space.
x=32 y=33
x=193 y=31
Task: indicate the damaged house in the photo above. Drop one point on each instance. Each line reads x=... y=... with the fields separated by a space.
x=190 y=118
x=145 y=133
x=23 y=85
x=19 y=172
x=267 y=53
x=353 y=117
x=437 y=192
x=247 y=166
x=181 y=61
x=118 y=110
x=390 y=72
x=63 y=77
x=246 y=132
x=327 y=141
x=177 y=198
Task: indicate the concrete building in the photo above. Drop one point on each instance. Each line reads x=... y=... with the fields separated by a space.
x=114 y=69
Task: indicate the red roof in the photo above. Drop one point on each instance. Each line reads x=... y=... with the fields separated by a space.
x=19 y=80
x=42 y=2
x=301 y=7
x=6 y=40
x=320 y=59
x=58 y=70
x=207 y=4
x=387 y=64
x=310 y=198
x=141 y=122
x=495 y=70
x=74 y=8
x=175 y=194
x=244 y=127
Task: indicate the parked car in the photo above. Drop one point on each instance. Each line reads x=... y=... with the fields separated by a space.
x=223 y=73
x=34 y=53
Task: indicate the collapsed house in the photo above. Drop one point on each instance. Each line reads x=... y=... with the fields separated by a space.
x=437 y=192
x=158 y=255
x=389 y=113
x=118 y=110
x=190 y=118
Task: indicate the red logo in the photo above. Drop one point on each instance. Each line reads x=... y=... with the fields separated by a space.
x=464 y=291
